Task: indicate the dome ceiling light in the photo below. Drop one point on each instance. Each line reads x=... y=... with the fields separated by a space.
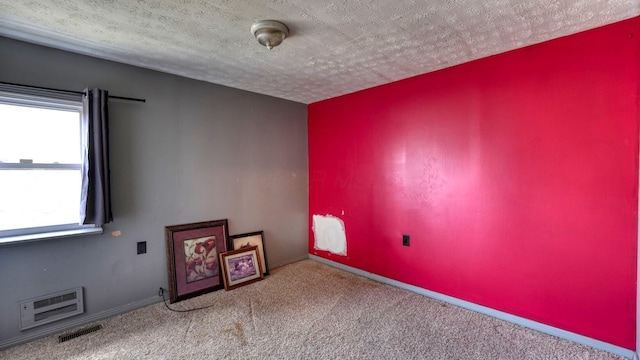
x=269 y=33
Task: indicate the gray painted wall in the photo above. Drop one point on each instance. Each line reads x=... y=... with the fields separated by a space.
x=193 y=152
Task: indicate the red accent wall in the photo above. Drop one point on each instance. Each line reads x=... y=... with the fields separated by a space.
x=515 y=176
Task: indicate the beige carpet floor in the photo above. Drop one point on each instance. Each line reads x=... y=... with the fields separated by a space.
x=308 y=310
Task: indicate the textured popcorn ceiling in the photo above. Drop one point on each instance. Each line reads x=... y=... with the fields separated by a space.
x=335 y=47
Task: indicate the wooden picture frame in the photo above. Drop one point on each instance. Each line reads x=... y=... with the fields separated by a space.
x=240 y=267
x=192 y=257
x=255 y=238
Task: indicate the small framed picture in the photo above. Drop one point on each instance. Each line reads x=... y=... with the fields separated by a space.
x=192 y=257
x=251 y=239
x=240 y=267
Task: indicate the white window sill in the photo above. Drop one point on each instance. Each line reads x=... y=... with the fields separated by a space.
x=20 y=239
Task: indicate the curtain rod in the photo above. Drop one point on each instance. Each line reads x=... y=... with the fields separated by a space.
x=72 y=92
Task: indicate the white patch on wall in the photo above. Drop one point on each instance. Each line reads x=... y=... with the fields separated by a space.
x=329 y=234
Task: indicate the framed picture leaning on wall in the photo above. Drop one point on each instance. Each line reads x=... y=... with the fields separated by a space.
x=251 y=239
x=192 y=257
x=240 y=267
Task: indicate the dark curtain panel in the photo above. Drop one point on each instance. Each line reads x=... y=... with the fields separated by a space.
x=95 y=202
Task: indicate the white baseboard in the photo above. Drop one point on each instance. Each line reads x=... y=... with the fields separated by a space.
x=580 y=339
x=77 y=322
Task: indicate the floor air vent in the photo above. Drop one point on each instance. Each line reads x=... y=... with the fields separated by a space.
x=52 y=307
x=75 y=334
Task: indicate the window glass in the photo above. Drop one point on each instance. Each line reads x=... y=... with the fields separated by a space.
x=40 y=164
x=41 y=135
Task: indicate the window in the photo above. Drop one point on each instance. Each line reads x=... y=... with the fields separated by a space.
x=40 y=163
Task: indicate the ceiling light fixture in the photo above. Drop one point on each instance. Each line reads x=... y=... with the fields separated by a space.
x=269 y=33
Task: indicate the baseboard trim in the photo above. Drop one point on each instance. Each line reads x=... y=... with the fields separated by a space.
x=580 y=339
x=77 y=322
x=288 y=261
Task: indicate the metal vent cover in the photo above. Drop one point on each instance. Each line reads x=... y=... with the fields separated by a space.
x=75 y=334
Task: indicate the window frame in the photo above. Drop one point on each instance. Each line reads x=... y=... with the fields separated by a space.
x=50 y=100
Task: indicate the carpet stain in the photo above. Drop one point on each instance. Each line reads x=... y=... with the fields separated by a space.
x=238 y=332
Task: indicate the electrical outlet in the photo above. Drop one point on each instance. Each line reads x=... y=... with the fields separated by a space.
x=142 y=247
x=406 y=240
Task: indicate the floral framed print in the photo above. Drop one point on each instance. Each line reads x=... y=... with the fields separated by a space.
x=251 y=239
x=240 y=267
x=192 y=257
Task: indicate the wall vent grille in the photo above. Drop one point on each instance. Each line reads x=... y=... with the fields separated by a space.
x=55 y=300
x=52 y=307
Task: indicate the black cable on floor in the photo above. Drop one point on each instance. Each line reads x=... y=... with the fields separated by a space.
x=161 y=293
